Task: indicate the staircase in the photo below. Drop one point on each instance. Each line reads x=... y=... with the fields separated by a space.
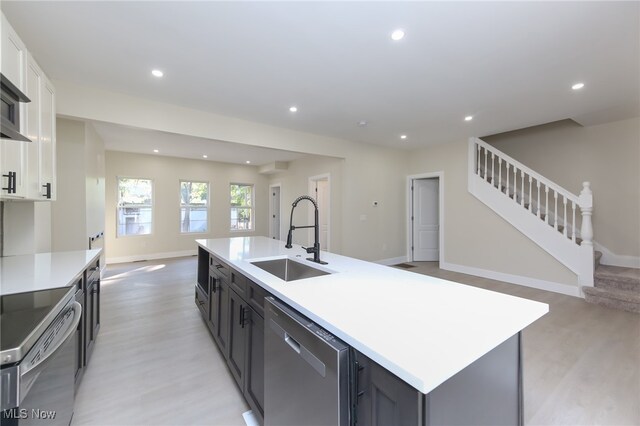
x=554 y=218
x=615 y=287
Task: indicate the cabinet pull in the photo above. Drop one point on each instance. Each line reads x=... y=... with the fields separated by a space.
x=11 y=182
x=219 y=266
x=47 y=190
x=241 y=316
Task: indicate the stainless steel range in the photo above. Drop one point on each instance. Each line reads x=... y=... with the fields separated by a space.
x=37 y=350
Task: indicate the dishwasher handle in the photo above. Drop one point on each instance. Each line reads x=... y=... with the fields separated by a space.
x=293 y=343
x=77 y=315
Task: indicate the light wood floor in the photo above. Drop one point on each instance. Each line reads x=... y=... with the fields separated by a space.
x=581 y=361
x=155 y=363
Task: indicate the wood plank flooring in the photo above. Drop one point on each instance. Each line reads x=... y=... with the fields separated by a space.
x=155 y=363
x=581 y=361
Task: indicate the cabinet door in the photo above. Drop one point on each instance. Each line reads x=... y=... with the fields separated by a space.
x=88 y=330
x=220 y=316
x=79 y=354
x=33 y=126
x=386 y=400
x=237 y=337
x=47 y=155
x=13 y=154
x=254 y=365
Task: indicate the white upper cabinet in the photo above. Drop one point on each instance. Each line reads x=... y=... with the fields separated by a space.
x=28 y=168
x=13 y=153
x=41 y=125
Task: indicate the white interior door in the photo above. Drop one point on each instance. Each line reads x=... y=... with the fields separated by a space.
x=426 y=220
x=320 y=189
x=322 y=197
x=274 y=213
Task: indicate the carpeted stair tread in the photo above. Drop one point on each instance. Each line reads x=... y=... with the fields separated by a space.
x=627 y=300
x=616 y=277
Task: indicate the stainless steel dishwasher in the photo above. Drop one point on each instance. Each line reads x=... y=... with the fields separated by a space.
x=306 y=371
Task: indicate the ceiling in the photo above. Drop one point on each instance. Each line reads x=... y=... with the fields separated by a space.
x=144 y=141
x=508 y=64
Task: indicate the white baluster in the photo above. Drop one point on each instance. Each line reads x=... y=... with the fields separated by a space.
x=573 y=223
x=564 y=230
x=515 y=183
x=507 y=190
x=555 y=215
x=538 y=186
x=493 y=169
x=546 y=204
x=530 y=194
x=522 y=193
x=485 y=165
x=586 y=206
x=500 y=174
x=478 y=171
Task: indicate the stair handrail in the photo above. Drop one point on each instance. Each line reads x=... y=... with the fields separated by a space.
x=557 y=188
x=584 y=200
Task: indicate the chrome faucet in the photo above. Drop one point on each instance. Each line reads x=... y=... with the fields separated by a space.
x=316 y=245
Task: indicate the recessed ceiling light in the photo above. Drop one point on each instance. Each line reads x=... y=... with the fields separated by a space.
x=157 y=73
x=397 y=35
x=362 y=123
x=293 y=109
x=204 y=156
x=156 y=151
x=577 y=86
x=248 y=162
x=468 y=118
x=403 y=136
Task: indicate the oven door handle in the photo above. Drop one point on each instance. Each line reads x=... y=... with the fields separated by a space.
x=77 y=311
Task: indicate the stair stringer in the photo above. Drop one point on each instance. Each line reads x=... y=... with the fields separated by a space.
x=574 y=257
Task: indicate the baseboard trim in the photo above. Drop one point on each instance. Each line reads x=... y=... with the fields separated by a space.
x=612 y=259
x=555 y=287
x=391 y=261
x=151 y=256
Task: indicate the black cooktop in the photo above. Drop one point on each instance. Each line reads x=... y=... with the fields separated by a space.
x=24 y=317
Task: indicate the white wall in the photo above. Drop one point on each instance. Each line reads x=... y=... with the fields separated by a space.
x=358 y=228
x=166 y=173
x=474 y=236
x=68 y=212
x=295 y=182
x=607 y=155
x=78 y=212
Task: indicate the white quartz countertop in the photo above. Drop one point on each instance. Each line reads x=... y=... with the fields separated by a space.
x=423 y=329
x=42 y=271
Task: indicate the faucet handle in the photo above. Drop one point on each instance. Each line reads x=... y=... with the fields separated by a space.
x=310 y=249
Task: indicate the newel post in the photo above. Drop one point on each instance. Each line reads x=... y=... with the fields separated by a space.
x=586 y=207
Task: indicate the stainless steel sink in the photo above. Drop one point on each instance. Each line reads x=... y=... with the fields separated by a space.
x=289 y=270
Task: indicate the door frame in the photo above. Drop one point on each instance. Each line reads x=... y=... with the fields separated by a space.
x=271 y=186
x=327 y=177
x=409 y=211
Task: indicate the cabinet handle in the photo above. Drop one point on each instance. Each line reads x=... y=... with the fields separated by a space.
x=241 y=316
x=47 y=190
x=219 y=266
x=11 y=182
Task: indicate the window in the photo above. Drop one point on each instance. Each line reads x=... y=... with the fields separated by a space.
x=241 y=207
x=134 y=206
x=194 y=206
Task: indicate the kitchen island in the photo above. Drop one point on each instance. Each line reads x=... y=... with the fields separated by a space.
x=427 y=332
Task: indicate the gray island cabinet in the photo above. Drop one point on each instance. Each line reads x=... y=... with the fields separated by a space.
x=448 y=354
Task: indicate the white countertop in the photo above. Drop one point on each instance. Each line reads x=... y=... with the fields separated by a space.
x=42 y=271
x=422 y=329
